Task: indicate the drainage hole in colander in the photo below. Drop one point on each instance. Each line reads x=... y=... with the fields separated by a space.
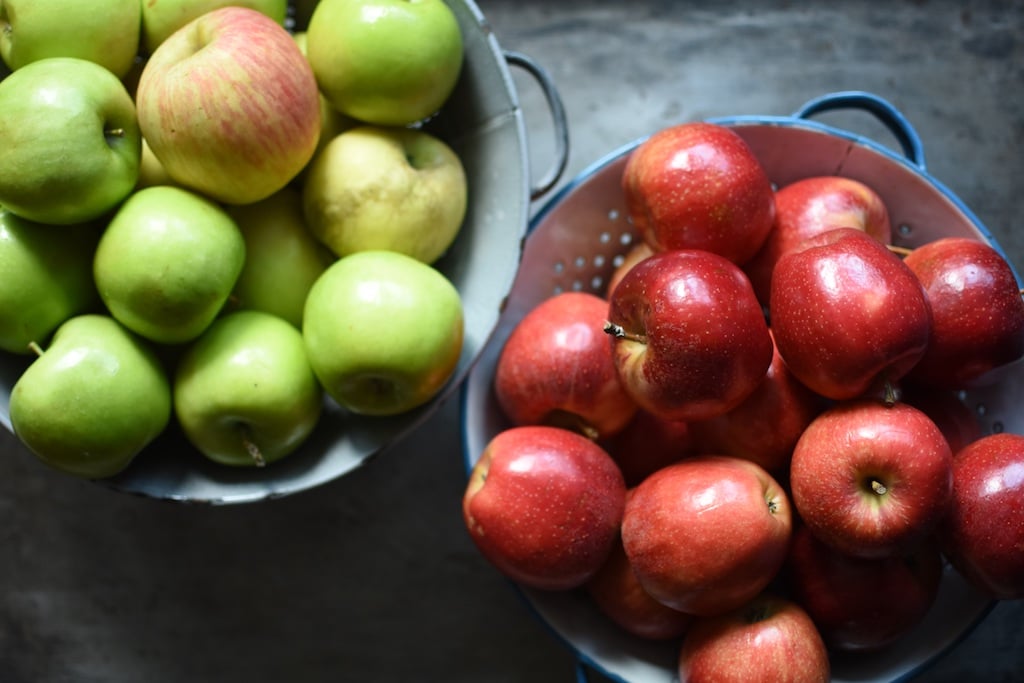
x=997 y=427
x=905 y=230
x=581 y=261
x=981 y=409
x=613 y=215
x=559 y=266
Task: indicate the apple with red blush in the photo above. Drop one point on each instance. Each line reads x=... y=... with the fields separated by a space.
x=871 y=479
x=647 y=443
x=698 y=185
x=618 y=595
x=690 y=341
x=862 y=604
x=847 y=314
x=977 y=312
x=706 y=534
x=983 y=534
x=770 y=638
x=556 y=368
x=544 y=505
x=810 y=206
x=766 y=426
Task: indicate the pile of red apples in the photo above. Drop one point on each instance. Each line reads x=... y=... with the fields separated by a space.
x=755 y=444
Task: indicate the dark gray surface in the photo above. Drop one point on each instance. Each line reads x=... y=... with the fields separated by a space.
x=372 y=577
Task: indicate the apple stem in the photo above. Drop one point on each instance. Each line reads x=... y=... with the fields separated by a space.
x=35 y=348
x=899 y=251
x=619 y=333
x=878 y=487
x=114 y=133
x=251 y=448
x=890 y=396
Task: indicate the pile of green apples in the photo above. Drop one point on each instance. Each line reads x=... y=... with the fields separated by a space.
x=222 y=215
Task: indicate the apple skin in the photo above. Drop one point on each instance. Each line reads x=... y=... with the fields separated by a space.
x=161 y=18
x=385 y=62
x=765 y=427
x=544 y=505
x=167 y=262
x=977 y=312
x=637 y=253
x=245 y=134
x=706 y=534
x=847 y=314
x=282 y=258
x=697 y=185
x=46 y=276
x=870 y=479
x=811 y=206
x=861 y=604
x=690 y=339
x=983 y=533
x=244 y=392
x=71 y=141
x=617 y=593
x=770 y=638
x=556 y=368
x=386 y=188
x=92 y=400
x=383 y=331
x=647 y=443
x=102 y=31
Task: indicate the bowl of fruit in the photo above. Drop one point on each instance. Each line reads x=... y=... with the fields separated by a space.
x=245 y=249
x=757 y=375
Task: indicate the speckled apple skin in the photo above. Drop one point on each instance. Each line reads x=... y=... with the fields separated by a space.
x=977 y=312
x=847 y=314
x=544 y=506
x=556 y=367
x=707 y=534
x=983 y=535
x=698 y=185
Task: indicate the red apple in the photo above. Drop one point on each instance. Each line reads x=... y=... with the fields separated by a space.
x=229 y=105
x=648 y=443
x=983 y=534
x=637 y=253
x=847 y=314
x=620 y=597
x=977 y=312
x=706 y=534
x=766 y=426
x=556 y=368
x=544 y=505
x=871 y=479
x=769 y=638
x=809 y=207
x=690 y=339
x=857 y=603
x=698 y=185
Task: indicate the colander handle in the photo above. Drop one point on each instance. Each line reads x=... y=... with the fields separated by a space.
x=881 y=109
x=561 y=125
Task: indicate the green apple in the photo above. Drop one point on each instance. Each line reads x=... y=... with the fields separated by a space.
x=92 y=400
x=167 y=263
x=106 y=32
x=161 y=18
x=45 y=278
x=71 y=142
x=332 y=121
x=282 y=258
x=388 y=62
x=375 y=187
x=244 y=392
x=383 y=332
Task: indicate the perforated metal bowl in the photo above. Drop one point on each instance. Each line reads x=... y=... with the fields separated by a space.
x=582 y=234
x=484 y=123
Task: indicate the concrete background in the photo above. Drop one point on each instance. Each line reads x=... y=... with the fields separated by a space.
x=372 y=577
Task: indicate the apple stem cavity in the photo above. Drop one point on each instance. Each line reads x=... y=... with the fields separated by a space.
x=251 y=448
x=618 y=332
